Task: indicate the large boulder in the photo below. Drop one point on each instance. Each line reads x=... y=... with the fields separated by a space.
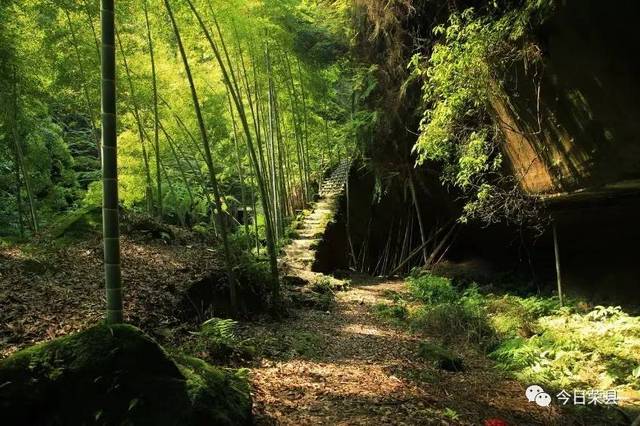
x=116 y=375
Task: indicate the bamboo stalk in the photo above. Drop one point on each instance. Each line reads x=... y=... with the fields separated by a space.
x=19 y=194
x=556 y=250
x=209 y=160
x=305 y=140
x=136 y=115
x=156 y=135
x=20 y=156
x=416 y=204
x=83 y=75
x=111 y=227
x=178 y=163
x=93 y=27
x=271 y=246
x=238 y=165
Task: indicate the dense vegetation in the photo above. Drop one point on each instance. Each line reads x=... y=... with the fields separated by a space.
x=264 y=76
x=576 y=346
x=209 y=127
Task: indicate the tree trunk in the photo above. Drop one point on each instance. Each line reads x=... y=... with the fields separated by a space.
x=111 y=228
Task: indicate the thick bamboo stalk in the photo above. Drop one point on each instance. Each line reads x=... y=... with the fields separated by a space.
x=111 y=228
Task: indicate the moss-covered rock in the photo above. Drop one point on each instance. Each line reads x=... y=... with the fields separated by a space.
x=116 y=375
x=78 y=223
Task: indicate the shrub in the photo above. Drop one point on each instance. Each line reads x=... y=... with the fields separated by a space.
x=451 y=313
x=455 y=321
x=513 y=316
x=395 y=311
x=532 y=337
x=432 y=289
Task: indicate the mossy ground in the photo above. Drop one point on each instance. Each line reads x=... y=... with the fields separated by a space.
x=117 y=375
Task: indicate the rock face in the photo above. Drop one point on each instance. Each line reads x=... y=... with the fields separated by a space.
x=111 y=375
x=576 y=127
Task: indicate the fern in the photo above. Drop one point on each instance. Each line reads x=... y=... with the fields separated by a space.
x=220 y=330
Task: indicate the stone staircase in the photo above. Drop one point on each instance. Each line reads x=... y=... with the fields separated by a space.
x=335 y=183
x=300 y=254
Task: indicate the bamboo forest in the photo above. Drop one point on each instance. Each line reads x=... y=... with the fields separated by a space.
x=319 y=212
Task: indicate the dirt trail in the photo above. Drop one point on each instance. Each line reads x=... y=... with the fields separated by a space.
x=345 y=366
x=362 y=371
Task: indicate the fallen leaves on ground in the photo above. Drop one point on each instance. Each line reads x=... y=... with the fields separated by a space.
x=49 y=291
x=367 y=372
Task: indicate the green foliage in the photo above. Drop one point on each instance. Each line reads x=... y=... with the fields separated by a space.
x=513 y=316
x=393 y=312
x=253 y=270
x=432 y=289
x=461 y=78
x=599 y=349
x=50 y=66
x=449 y=312
x=457 y=321
x=217 y=341
x=532 y=337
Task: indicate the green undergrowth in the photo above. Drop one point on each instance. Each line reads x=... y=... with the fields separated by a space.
x=533 y=338
x=117 y=375
x=218 y=341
